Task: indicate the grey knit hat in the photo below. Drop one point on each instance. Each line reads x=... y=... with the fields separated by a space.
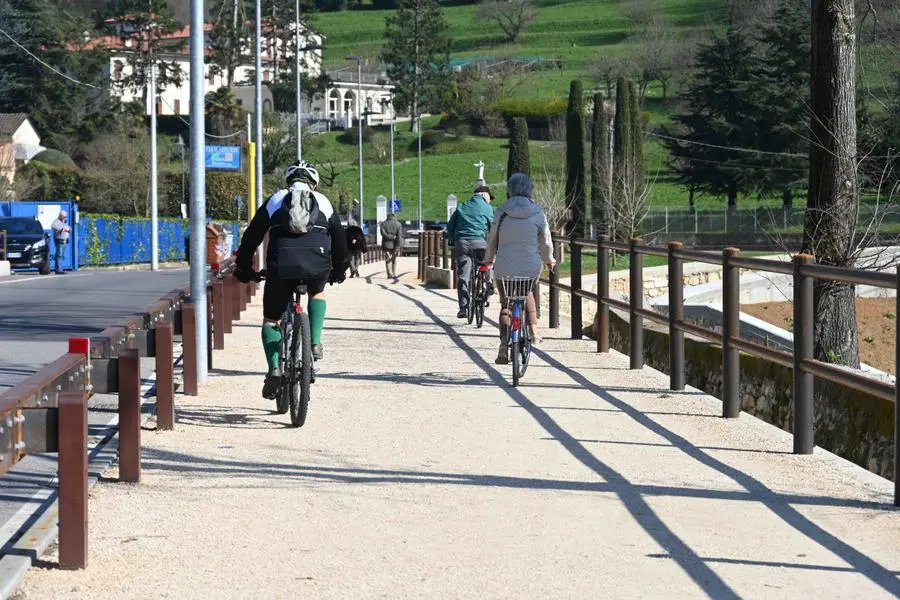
x=519 y=184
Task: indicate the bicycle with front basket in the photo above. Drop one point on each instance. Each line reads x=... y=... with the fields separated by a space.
x=516 y=291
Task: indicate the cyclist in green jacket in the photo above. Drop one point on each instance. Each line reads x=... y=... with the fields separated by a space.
x=467 y=232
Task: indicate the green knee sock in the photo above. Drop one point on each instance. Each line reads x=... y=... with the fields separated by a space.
x=316 y=308
x=271 y=339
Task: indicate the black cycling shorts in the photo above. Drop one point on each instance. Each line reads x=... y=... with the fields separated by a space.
x=278 y=292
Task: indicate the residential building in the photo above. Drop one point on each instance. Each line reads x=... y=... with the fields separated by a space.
x=16 y=129
x=337 y=105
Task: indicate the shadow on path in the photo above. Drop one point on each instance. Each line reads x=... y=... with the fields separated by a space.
x=692 y=564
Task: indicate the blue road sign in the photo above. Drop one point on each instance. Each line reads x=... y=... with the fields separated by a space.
x=223 y=157
x=394 y=206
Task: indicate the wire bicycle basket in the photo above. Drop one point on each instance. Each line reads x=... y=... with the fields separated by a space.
x=517 y=288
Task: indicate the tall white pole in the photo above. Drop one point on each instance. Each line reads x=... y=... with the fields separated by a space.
x=359 y=126
x=154 y=198
x=393 y=195
x=419 y=128
x=297 y=73
x=198 y=185
x=258 y=108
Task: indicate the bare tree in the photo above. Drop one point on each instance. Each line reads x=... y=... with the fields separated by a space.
x=606 y=70
x=550 y=193
x=640 y=12
x=661 y=56
x=511 y=15
x=630 y=208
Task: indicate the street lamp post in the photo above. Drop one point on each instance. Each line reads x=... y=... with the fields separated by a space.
x=359 y=126
x=299 y=111
x=388 y=101
x=198 y=186
x=258 y=106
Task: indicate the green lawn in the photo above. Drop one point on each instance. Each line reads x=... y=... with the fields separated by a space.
x=575 y=31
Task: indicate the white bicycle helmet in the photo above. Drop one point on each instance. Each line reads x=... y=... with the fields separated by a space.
x=302 y=171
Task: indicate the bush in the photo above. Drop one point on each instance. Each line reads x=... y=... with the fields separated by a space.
x=430 y=140
x=351 y=136
x=54 y=158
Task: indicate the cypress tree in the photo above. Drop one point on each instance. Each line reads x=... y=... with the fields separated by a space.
x=519 y=160
x=621 y=140
x=636 y=145
x=575 y=184
x=600 y=168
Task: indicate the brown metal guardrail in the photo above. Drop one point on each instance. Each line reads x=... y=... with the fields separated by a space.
x=801 y=360
x=47 y=412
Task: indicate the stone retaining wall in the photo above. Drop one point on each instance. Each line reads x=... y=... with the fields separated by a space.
x=853 y=425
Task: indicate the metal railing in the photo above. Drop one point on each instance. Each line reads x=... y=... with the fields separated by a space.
x=801 y=360
x=679 y=219
x=47 y=412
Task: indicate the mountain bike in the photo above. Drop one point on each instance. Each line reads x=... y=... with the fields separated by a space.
x=516 y=290
x=295 y=359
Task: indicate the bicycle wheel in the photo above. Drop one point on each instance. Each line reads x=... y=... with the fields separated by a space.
x=479 y=299
x=301 y=370
x=470 y=308
x=524 y=348
x=282 y=399
x=515 y=338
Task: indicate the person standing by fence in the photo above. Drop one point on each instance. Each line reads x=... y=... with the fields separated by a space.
x=391 y=241
x=61 y=232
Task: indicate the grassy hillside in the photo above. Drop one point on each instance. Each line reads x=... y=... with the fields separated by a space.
x=575 y=31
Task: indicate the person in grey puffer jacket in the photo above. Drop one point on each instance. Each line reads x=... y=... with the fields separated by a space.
x=519 y=245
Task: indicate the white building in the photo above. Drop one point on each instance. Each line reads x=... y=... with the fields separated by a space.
x=17 y=133
x=337 y=106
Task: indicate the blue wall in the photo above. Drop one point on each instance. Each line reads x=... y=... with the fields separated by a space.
x=109 y=241
x=99 y=240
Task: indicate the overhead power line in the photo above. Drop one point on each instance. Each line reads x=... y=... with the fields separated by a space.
x=44 y=64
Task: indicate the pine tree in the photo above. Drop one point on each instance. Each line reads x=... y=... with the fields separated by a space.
x=519 y=161
x=56 y=106
x=144 y=26
x=575 y=184
x=708 y=141
x=230 y=36
x=782 y=96
x=417 y=54
x=600 y=167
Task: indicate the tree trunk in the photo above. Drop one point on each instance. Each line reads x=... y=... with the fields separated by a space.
x=833 y=198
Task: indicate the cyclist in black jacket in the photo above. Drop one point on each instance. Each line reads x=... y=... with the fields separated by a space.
x=307 y=246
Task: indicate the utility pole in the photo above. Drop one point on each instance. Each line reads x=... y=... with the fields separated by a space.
x=154 y=196
x=359 y=126
x=297 y=74
x=258 y=108
x=198 y=186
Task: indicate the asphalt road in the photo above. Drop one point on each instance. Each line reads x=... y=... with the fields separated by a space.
x=39 y=314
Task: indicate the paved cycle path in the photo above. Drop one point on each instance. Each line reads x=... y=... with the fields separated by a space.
x=422 y=473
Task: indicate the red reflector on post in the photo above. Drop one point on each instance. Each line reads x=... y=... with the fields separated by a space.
x=80 y=346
